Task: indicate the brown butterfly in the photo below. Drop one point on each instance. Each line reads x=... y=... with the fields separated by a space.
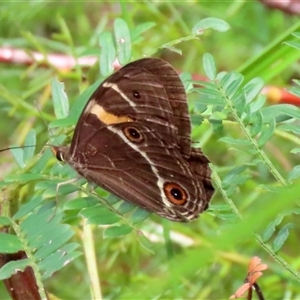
x=133 y=139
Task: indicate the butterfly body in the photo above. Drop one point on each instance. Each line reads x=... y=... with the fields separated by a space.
x=133 y=139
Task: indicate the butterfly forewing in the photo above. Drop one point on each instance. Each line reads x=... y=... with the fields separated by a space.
x=176 y=95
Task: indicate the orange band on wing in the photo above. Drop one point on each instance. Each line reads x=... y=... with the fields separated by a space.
x=106 y=117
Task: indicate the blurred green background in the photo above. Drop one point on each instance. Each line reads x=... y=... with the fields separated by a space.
x=206 y=259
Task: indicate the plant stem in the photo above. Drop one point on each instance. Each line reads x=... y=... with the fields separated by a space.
x=263 y=155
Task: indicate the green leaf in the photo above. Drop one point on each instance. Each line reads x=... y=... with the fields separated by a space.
x=62 y=170
x=77 y=108
x=271 y=228
x=282 y=237
x=234 y=141
x=239 y=103
x=58 y=260
x=44 y=237
x=46 y=184
x=65 y=171
x=122 y=40
x=28 y=207
x=108 y=53
x=60 y=99
x=145 y=243
x=257 y=104
x=99 y=215
x=209 y=66
x=267 y=133
x=62 y=123
x=68 y=171
x=139 y=29
x=47 y=237
x=210 y=97
x=293 y=44
x=18 y=154
x=80 y=203
x=13 y=267
x=186 y=79
x=116 y=231
x=44 y=250
x=47 y=250
x=172 y=48
x=234 y=85
x=64 y=188
x=230 y=82
x=295 y=90
x=219 y=207
x=253 y=88
x=196 y=120
x=290 y=127
x=228 y=218
x=47 y=222
x=25 y=177
x=113 y=199
x=247 y=115
x=30 y=143
x=295 y=150
x=256 y=123
x=43 y=161
x=214 y=23
x=294 y=174
x=217 y=125
x=232 y=175
x=139 y=215
x=218 y=115
x=209 y=93
x=280 y=112
x=126 y=207
x=199 y=108
x=296 y=34
x=9 y=243
x=240 y=180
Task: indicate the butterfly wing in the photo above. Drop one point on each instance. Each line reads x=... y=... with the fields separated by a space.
x=133 y=139
x=145 y=89
x=175 y=91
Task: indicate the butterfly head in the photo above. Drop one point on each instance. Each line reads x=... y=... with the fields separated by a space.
x=60 y=152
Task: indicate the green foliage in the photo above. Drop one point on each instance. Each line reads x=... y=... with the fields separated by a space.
x=40 y=233
x=253 y=147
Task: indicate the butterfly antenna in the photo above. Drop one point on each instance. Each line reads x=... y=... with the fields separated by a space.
x=17 y=147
